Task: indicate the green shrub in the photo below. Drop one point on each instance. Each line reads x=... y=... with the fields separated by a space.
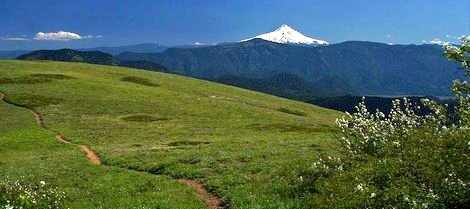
x=301 y=128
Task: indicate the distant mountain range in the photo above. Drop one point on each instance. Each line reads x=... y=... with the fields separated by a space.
x=115 y=50
x=144 y=65
x=284 y=85
x=354 y=67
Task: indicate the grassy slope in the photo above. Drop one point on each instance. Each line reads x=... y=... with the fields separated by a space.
x=241 y=144
x=30 y=152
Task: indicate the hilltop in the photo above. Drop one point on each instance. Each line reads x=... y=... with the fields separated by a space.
x=70 y=55
x=91 y=57
x=150 y=129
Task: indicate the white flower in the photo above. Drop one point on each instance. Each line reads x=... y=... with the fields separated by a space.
x=359 y=187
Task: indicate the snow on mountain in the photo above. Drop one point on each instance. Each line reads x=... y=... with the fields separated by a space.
x=287 y=35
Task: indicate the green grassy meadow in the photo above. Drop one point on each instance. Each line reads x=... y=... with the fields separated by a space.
x=150 y=129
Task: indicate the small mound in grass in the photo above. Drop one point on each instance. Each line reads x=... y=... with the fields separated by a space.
x=292 y=112
x=139 y=80
x=35 y=78
x=32 y=100
x=51 y=76
x=142 y=118
x=186 y=143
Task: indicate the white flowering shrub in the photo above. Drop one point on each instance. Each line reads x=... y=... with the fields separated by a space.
x=18 y=194
x=399 y=160
x=461 y=88
x=378 y=135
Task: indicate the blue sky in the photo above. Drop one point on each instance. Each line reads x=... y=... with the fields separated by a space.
x=180 y=22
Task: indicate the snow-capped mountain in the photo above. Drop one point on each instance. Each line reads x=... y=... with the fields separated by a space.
x=287 y=35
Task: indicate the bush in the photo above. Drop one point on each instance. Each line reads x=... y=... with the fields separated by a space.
x=399 y=160
x=19 y=194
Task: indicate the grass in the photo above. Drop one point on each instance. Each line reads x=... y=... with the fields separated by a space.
x=32 y=153
x=292 y=112
x=241 y=144
x=295 y=128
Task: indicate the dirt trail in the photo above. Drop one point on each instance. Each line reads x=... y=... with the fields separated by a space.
x=60 y=138
x=38 y=119
x=94 y=159
x=212 y=201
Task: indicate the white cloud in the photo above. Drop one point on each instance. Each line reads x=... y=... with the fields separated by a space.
x=57 y=36
x=388 y=36
x=198 y=43
x=14 y=39
x=92 y=36
x=62 y=36
x=435 y=41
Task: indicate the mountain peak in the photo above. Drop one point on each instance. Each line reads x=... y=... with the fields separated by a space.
x=287 y=35
x=284 y=27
